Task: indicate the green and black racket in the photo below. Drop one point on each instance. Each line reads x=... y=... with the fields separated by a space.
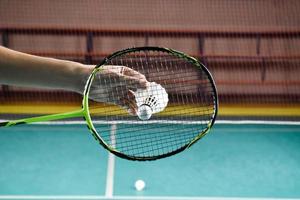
x=190 y=113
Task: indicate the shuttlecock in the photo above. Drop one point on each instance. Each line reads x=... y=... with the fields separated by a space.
x=152 y=100
x=144 y=112
x=139 y=185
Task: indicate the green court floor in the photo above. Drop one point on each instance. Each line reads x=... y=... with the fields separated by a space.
x=234 y=160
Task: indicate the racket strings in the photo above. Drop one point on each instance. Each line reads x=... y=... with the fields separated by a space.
x=206 y=102
x=186 y=97
x=191 y=98
x=163 y=142
x=161 y=147
x=138 y=133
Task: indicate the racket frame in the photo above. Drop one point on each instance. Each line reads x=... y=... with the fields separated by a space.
x=179 y=54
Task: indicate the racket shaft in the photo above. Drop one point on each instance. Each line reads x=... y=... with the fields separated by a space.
x=73 y=114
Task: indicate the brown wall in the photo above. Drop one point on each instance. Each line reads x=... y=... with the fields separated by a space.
x=178 y=14
x=185 y=15
x=225 y=15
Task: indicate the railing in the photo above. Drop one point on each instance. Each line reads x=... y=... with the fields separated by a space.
x=200 y=36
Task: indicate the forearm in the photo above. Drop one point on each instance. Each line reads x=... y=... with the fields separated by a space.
x=27 y=70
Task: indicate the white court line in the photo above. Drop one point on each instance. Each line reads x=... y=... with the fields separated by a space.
x=87 y=197
x=257 y=122
x=237 y=122
x=111 y=165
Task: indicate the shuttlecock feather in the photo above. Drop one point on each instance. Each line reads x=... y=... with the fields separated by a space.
x=154 y=97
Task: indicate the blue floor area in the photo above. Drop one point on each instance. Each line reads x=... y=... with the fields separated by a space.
x=231 y=161
x=51 y=160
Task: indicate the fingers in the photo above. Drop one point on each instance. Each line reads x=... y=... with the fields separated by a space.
x=121 y=75
x=133 y=79
x=126 y=71
x=134 y=83
x=129 y=103
x=119 y=82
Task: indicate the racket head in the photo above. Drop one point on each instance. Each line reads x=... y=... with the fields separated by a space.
x=189 y=116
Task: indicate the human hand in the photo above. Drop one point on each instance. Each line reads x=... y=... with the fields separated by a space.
x=116 y=85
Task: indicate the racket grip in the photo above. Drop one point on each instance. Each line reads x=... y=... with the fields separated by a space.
x=3 y=123
x=11 y=123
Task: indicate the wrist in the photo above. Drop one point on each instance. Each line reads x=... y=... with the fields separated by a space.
x=81 y=74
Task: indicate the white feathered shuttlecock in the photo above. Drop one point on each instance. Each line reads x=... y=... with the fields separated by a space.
x=152 y=100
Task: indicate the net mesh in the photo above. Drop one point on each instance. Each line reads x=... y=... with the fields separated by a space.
x=251 y=47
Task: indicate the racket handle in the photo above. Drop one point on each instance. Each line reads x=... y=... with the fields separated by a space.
x=3 y=123
x=73 y=114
